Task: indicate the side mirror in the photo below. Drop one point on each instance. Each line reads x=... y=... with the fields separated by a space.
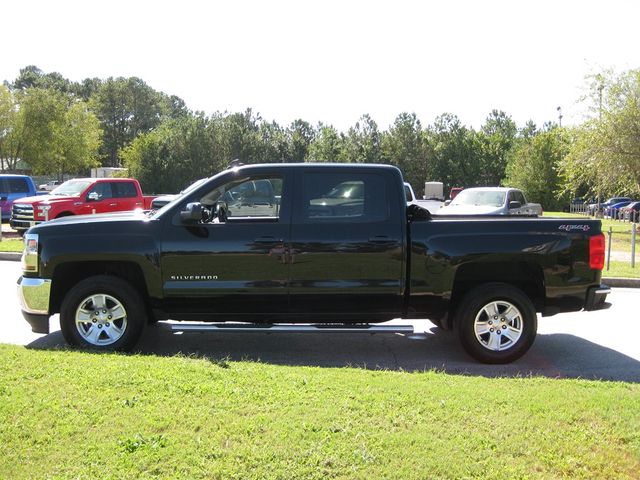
x=192 y=213
x=447 y=202
x=513 y=205
x=93 y=197
x=221 y=211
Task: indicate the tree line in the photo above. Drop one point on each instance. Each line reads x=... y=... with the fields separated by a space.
x=59 y=126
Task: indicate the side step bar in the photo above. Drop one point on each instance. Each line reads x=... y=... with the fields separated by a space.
x=289 y=328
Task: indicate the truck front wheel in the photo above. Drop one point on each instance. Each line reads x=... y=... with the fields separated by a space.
x=496 y=323
x=103 y=313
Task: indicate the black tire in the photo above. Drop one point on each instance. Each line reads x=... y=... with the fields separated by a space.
x=116 y=325
x=506 y=338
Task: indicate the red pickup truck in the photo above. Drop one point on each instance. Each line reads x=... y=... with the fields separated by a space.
x=80 y=196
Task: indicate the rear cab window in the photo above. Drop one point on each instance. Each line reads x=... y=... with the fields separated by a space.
x=351 y=197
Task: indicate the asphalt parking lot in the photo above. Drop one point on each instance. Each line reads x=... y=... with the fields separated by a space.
x=595 y=345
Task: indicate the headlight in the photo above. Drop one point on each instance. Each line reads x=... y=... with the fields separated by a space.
x=42 y=210
x=30 y=253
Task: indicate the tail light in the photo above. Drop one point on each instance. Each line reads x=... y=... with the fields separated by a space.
x=596 y=252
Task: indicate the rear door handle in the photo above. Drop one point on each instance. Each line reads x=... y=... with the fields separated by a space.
x=381 y=239
x=268 y=240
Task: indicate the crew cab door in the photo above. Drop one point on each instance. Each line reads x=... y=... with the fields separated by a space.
x=236 y=266
x=125 y=197
x=516 y=196
x=347 y=243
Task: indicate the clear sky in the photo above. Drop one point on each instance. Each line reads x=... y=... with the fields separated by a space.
x=332 y=61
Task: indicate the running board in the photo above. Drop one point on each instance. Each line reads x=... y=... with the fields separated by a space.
x=289 y=328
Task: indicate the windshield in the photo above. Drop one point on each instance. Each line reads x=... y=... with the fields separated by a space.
x=71 y=188
x=488 y=198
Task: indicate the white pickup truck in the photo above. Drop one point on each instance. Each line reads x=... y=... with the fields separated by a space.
x=431 y=205
x=491 y=201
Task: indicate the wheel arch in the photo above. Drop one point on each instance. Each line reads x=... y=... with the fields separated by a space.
x=66 y=213
x=526 y=276
x=69 y=274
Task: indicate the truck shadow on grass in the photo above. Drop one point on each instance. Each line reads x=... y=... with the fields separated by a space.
x=552 y=355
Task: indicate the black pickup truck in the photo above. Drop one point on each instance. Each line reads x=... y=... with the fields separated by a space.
x=308 y=243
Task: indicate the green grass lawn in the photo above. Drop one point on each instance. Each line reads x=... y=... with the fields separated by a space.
x=622 y=269
x=11 y=245
x=80 y=415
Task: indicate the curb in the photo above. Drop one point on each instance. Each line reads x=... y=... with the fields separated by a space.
x=621 y=282
x=610 y=281
x=10 y=256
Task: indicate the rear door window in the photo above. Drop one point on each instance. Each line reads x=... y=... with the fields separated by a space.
x=124 y=190
x=348 y=197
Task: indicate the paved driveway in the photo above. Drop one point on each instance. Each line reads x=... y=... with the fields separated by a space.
x=602 y=344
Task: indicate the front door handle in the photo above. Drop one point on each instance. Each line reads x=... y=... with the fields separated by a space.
x=268 y=240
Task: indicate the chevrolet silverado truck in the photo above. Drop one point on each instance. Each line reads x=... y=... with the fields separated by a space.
x=80 y=196
x=322 y=244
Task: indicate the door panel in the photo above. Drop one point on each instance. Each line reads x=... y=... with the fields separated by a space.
x=347 y=248
x=232 y=268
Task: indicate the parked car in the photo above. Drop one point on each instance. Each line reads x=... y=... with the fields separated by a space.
x=49 y=186
x=454 y=192
x=631 y=212
x=13 y=187
x=613 y=210
x=491 y=201
x=161 y=200
x=79 y=196
x=431 y=205
x=344 y=249
x=593 y=207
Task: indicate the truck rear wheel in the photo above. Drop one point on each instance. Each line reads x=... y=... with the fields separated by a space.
x=103 y=313
x=496 y=323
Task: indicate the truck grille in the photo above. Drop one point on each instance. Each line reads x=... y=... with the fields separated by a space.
x=20 y=211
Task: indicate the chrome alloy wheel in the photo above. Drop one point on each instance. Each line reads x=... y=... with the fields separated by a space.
x=498 y=325
x=101 y=319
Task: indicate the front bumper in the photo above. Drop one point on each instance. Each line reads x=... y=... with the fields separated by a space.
x=22 y=224
x=34 y=294
x=596 y=297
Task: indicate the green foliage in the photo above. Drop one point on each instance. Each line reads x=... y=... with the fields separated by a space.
x=603 y=154
x=327 y=146
x=174 y=155
x=300 y=134
x=604 y=157
x=126 y=108
x=496 y=139
x=533 y=167
x=33 y=77
x=362 y=142
x=9 y=130
x=59 y=134
x=456 y=159
x=404 y=146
